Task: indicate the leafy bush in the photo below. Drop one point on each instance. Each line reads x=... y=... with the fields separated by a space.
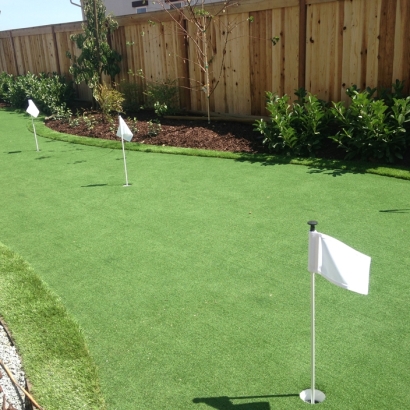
x=370 y=129
x=50 y=92
x=5 y=80
x=163 y=94
x=133 y=96
x=298 y=128
x=110 y=100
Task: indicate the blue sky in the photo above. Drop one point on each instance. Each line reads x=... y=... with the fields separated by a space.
x=32 y=13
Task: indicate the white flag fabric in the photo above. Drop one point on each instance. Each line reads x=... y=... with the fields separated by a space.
x=338 y=263
x=123 y=131
x=32 y=109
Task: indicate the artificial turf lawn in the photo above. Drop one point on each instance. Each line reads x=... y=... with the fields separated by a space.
x=56 y=360
x=191 y=285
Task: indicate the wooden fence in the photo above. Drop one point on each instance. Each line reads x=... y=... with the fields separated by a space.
x=325 y=46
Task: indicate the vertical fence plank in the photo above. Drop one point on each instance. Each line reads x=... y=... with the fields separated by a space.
x=323 y=51
x=302 y=44
x=401 y=63
x=386 y=51
x=325 y=46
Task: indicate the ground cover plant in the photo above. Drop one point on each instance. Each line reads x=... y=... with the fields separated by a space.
x=191 y=286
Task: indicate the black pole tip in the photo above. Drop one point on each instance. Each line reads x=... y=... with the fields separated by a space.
x=312 y=225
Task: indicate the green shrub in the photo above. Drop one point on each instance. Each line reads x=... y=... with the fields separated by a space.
x=299 y=128
x=133 y=96
x=163 y=95
x=370 y=129
x=5 y=80
x=50 y=92
x=109 y=100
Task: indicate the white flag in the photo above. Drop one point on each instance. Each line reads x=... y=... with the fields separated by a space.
x=32 y=109
x=338 y=263
x=123 y=131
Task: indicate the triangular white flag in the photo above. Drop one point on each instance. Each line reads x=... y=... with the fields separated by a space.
x=338 y=263
x=123 y=131
x=32 y=109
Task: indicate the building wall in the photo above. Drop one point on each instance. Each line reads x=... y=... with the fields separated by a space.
x=124 y=7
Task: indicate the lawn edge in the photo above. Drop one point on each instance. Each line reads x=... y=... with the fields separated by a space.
x=266 y=159
x=32 y=315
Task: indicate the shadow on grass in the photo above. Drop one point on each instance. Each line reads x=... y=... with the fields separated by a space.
x=337 y=172
x=264 y=159
x=225 y=403
x=315 y=165
x=43 y=157
x=396 y=211
x=92 y=185
x=13 y=152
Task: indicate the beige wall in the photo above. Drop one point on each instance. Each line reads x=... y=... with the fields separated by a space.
x=123 y=7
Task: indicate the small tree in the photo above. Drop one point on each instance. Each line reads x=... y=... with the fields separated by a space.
x=200 y=20
x=96 y=56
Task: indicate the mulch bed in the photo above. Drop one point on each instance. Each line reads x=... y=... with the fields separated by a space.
x=190 y=133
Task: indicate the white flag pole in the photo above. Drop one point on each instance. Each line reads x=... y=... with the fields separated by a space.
x=312 y=398
x=313 y=338
x=33 y=111
x=125 y=162
x=125 y=134
x=312 y=395
x=35 y=135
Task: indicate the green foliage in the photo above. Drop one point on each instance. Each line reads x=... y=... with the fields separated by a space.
x=89 y=121
x=96 y=56
x=298 y=128
x=109 y=100
x=389 y=95
x=5 y=80
x=162 y=96
x=50 y=92
x=134 y=126
x=160 y=109
x=370 y=129
x=154 y=127
x=133 y=96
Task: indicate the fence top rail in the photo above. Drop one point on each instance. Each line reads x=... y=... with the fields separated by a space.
x=130 y=19
x=34 y=31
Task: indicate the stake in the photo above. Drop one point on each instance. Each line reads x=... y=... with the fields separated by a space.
x=21 y=388
x=125 y=162
x=35 y=135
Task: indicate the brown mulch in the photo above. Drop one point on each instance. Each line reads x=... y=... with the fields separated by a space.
x=189 y=133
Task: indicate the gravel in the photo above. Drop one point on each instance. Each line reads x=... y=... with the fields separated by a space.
x=10 y=394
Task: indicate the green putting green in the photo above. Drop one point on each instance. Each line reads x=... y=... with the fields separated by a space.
x=191 y=285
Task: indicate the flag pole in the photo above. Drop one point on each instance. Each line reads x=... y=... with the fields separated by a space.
x=35 y=135
x=125 y=162
x=313 y=338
